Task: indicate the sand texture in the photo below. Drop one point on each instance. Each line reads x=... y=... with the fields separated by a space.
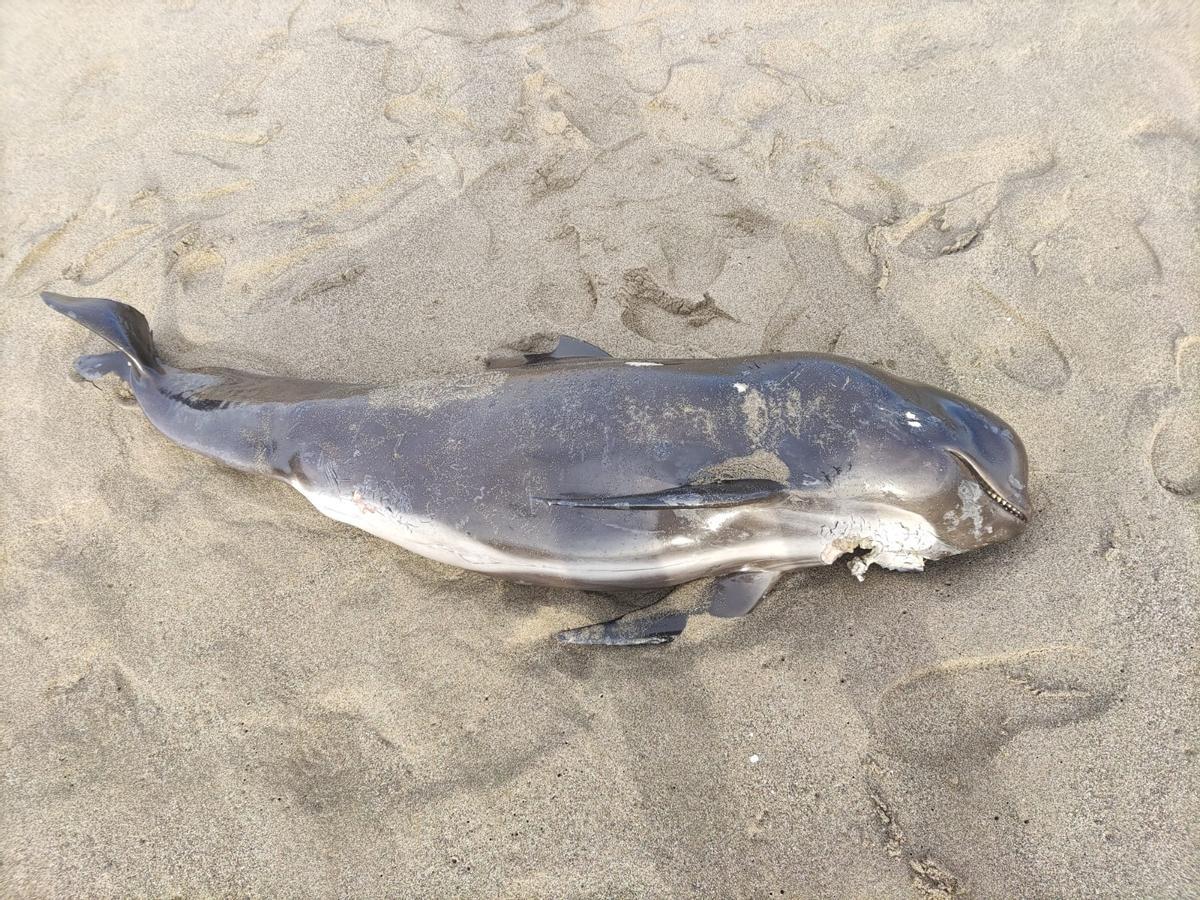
x=211 y=690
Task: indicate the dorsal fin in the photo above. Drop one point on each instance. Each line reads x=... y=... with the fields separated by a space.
x=567 y=348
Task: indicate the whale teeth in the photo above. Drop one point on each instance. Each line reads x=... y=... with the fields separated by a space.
x=1004 y=504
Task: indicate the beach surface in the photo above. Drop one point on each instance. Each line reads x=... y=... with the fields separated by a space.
x=212 y=690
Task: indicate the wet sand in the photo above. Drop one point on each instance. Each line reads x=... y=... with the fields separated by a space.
x=212 y=690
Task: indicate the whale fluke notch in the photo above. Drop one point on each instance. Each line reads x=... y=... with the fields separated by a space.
x=689 y=496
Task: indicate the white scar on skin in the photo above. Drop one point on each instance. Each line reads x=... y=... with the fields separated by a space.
x=970 y=494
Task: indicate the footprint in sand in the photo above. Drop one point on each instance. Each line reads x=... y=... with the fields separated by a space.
x=653 y=313
x=959 y=713
x=810 y=68
x=112 y=252
x=1175 y=453
x=1015 y=343
x=238 y=97
x=838 y=181
x=708 y=110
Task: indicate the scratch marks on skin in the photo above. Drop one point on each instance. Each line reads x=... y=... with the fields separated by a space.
x=754 y=408
x=661 y=426
x=429 y=394
x=640 y=532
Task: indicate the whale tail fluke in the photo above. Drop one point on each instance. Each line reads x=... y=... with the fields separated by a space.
x=118 y=323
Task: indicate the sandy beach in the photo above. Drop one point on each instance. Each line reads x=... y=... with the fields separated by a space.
x=212 y=690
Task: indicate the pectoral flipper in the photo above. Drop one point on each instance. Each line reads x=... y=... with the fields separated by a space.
x=727 y=596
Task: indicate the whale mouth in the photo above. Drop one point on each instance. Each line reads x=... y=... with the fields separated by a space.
x=1003 y=504
x=1021 y=513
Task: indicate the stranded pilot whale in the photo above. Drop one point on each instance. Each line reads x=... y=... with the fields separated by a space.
x=576 y=469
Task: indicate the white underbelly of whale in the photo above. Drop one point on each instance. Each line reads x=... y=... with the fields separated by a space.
x=892 y=538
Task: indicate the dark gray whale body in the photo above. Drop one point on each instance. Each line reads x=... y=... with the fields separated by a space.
x=581 y=470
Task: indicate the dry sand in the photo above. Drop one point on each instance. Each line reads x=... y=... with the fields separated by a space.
x=211 y=690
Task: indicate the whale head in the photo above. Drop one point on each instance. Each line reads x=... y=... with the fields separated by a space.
x=957 y=464
x=992 y=484
x=925 y=474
